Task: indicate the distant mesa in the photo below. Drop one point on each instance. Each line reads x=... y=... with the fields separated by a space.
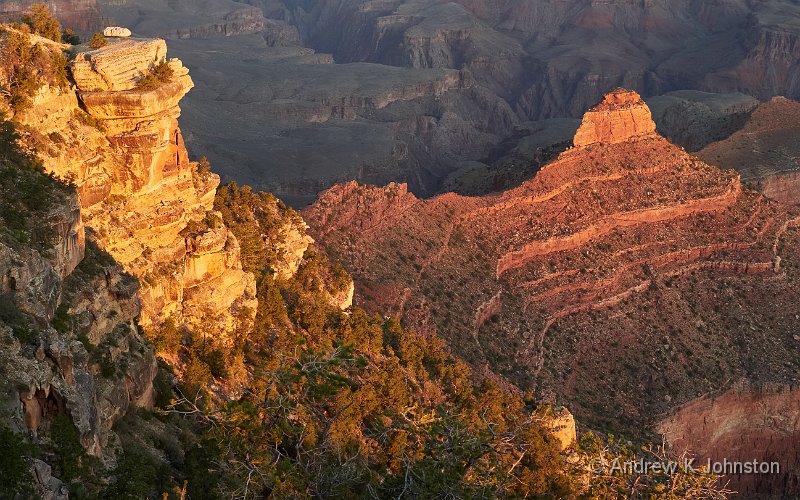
x=621 y=115
x=116 y=32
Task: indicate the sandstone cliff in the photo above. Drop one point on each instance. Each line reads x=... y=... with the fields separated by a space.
x=553 y=283
x=621 y=116
x=147 y=204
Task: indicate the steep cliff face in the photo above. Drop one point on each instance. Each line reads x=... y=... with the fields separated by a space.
x=621 y=116
x=554 y=284
x=148 y=205
x=742 y=425
x=68 y=313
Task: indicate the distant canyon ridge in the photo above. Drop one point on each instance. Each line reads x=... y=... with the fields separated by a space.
x=469 y=96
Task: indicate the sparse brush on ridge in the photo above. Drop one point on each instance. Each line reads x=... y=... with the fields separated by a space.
x=28 y=66
x=160 y=73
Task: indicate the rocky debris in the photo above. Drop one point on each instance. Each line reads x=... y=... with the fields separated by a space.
x=621 y=116
x=765 y=150
x=581 y=253
x=51 y=488
x=116 y=32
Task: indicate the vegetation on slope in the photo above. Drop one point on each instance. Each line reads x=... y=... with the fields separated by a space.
x=159 y=74
x=27 y=194
x=25 y=64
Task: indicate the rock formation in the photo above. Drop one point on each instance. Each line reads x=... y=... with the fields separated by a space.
x=695 y=119
x=765 y=151
x=555 y=283
x=147 y=204
x=621 y=116
x=96 y=367
x=742 y=425
x=116 y=32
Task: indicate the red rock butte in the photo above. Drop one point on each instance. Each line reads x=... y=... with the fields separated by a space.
x=622 y=279
x=621 y=116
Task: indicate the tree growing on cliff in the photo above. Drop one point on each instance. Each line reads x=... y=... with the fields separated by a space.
x=69 y=36
x=43 y=22
x=97 y=41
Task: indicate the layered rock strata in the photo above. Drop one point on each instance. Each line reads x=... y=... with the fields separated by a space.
x=148 y=205
x=621 y=116
x=623 y=279
x=742 y=425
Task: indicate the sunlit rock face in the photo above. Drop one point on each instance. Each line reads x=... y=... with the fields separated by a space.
x=145 y=201
x=621 y=116
x=625 y=278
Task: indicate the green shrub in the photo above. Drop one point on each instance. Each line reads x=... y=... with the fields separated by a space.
x=59 y=63
x=26 y=195
x=168 y=338
x=160 y=73
x=85 y=118
x=163 y=72
x=97 y=41
x=62 y=320
x=72 y=464
x=16 y=480
x=69 y=36
x=148 y=82
x=21 y=326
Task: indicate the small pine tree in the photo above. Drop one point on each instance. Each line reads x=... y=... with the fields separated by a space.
x=98 y=40
x=69 y=36
x=43 y=23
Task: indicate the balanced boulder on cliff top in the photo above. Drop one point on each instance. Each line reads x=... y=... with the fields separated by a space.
x=622 y=115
